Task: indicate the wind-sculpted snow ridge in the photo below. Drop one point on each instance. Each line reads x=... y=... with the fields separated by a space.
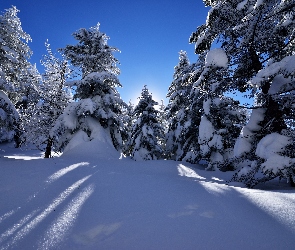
x=82 y=201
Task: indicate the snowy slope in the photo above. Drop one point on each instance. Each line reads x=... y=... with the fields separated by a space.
x=89 y=198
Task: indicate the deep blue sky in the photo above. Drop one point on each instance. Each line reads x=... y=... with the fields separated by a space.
x=149 y=34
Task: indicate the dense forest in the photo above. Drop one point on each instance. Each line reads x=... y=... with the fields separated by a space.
x=244 y=46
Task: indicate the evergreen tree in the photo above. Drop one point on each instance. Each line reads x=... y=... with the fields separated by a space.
x=98 y=103
x=29 y=98
x=14 y=54
x=147 y=131
x=162 y=114
x=190 y=116
x=54 y=97
x=128 y=121
x=256 y=36
x=178 y=107
x=8 y=118
x=17 y=75
x=222 y=118
x=92 y=53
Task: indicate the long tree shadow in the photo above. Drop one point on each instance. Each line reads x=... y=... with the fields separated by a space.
x=260 y=217
x=152 y=205
x=21 y=226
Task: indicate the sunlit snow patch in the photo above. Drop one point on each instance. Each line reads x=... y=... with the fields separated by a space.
x=278 y=205
x=6 y=215
x=214 y=188
x=59 y=229
x=39 y=218
x=16 y=226
x=23 y=157
x=64 y=171
x=188 y=172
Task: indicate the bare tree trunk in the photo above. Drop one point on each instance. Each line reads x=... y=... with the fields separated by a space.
x=48 y=148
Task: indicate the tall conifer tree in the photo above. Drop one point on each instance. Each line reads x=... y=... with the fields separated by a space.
x=147 y=131
x=258 y=38
x=98 y=103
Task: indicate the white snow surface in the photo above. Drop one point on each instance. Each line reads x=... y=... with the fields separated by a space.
x=216 y=58
x=242 y=145
x=91 y=198
x=5 y=98
x=244 y=141
x=284 y=67
x=206 y=106
x=69 y=117
x=241 y=5
x=258 y=3
x=268 y=149
x=272 y=144
x=206 y=130
x=256 y=117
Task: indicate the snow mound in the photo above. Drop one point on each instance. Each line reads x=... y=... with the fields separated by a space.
x=95 y=148
x=98 y=144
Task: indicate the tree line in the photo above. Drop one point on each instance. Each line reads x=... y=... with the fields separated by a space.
x=244 y=46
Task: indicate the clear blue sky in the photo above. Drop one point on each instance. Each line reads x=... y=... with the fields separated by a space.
x=149 y=34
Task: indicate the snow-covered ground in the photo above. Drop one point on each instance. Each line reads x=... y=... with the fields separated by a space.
x=91 y=198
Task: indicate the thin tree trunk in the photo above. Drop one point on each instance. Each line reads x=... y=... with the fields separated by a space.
x=17 y=137
x=48 y=148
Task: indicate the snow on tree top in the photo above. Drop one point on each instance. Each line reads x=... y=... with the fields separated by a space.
x=241 y=5
x=258 y=3
x=286 y=66
x=216 y=58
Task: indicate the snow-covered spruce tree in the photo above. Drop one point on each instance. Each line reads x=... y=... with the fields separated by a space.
x=178 y=107
x=128 y=121
x=191 y=116
x=29 y=96
x=162 y=115
x=222 y=117
x=274 y=154
x=54 y=97
x=147 y=131
x=98 y=104
x=15 y=70
x=14 y=53
x=255 y=35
